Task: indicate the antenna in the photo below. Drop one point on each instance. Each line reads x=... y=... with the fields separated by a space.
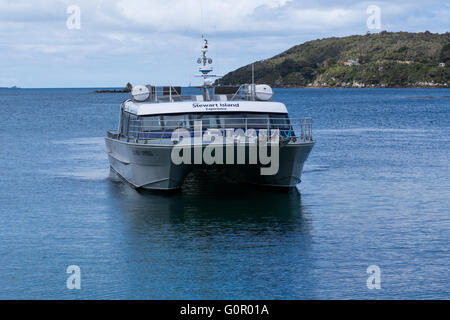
x=201 y=18
x=253 y=82
x=253 y=73
x=205 y=69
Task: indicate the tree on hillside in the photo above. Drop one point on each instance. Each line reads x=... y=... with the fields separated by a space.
x=445 y=53
x=128 y=87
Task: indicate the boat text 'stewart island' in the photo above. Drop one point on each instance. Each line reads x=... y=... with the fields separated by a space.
x=164 y=135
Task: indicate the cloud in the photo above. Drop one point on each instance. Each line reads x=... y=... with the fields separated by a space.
x=176 y=15
x=163 y=36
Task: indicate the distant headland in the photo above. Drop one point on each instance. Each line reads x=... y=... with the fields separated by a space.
x=378 y=60
x=127 y=89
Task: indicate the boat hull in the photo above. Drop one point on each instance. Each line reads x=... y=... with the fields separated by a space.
x=150 y=166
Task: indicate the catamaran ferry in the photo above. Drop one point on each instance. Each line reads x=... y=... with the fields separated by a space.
x=164 y=135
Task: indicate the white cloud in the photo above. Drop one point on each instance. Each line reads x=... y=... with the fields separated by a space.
x=166 y=34
x=173 y=15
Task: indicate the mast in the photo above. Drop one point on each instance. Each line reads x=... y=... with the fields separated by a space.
x=205 y=70
x=253 y=83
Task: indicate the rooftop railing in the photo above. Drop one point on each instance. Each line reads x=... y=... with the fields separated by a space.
x=219 y=93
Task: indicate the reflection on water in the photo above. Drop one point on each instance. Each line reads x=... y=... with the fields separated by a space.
x=223 y=239
x=204 y=198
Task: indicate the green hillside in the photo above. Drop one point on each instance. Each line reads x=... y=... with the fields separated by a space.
x=385 y=59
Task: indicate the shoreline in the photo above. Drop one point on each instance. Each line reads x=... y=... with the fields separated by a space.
x=364 y=87
x=111 y=91
x=99 y=90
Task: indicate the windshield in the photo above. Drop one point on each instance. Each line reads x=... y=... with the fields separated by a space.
x=233 y=120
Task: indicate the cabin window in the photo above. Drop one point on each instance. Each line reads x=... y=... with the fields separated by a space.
x=258 y=121
x=174 y=122
x=125 y=124
x=209 y=120
x=153 y=123
x=279 y=121
x=233 y=120
x=122 y=122
x=134 y=126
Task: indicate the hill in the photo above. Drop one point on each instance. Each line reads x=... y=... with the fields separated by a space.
x=385 y=59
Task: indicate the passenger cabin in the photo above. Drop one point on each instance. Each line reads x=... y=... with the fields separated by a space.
x=159 y=115
x=166 y=109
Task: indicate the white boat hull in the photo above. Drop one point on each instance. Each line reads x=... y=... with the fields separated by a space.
x=149 y=166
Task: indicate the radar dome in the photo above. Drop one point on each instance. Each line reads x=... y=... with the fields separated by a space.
x=263 y=92
x=140 y=93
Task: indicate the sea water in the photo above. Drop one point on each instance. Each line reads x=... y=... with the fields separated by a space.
x=375 y=191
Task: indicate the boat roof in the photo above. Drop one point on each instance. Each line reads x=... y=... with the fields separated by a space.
x=151 y=108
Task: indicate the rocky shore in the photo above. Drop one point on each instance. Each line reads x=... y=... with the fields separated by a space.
x=127 y=89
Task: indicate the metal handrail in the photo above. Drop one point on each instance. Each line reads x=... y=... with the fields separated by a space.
x=291 y=129
x=237 y=92
x=157 y=95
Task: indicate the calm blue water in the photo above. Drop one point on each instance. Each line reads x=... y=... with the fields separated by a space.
x=376 y=190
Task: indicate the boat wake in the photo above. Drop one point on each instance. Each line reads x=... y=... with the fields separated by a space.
x=81 y=159
x=314 y=168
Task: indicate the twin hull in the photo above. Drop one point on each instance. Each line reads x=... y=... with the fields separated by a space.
x=150 y=166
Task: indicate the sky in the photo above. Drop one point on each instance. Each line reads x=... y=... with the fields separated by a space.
x=104 y=43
